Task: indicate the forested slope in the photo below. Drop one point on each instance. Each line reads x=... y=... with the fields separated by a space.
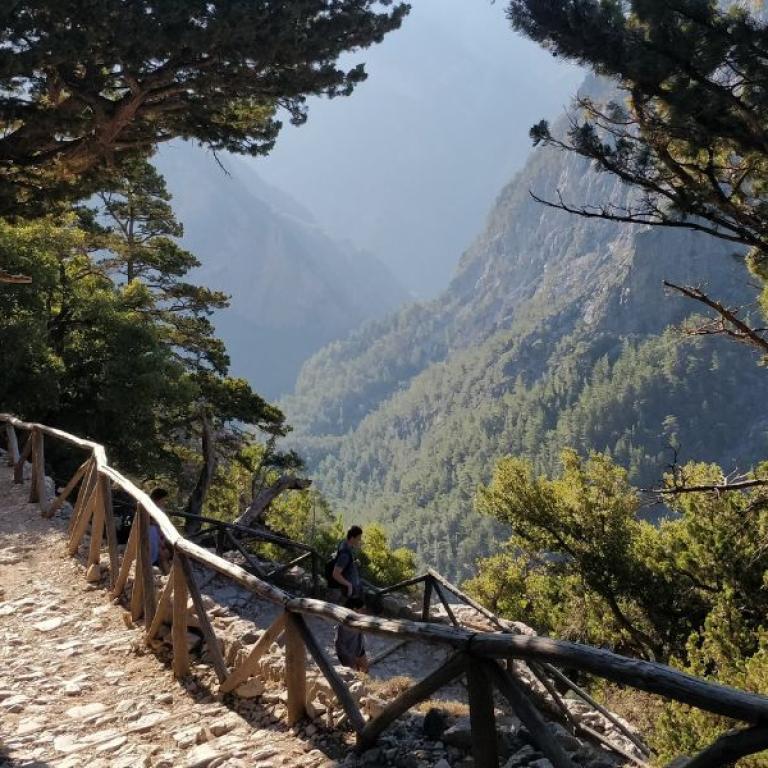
x=556 y=331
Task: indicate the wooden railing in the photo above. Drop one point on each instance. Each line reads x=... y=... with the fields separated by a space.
x=479 y=656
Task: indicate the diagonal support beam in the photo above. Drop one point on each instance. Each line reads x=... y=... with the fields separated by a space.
x=331 y=675
x=515 y=693
x=449 y=671
x=248 y=666
x=219 y=665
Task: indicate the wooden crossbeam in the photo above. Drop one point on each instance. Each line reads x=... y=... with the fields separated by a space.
x=83 y=495
x=387 y=651
x=402 y=585
x=163 y=611
x=730 y=747
x=584 y=696
x=280 y=570
x=68 y=488
x=82 y=521
x=444 y=601
x=246 y=554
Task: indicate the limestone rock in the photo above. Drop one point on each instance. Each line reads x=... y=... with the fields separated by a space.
x=49 y=624
x=203 y=755
x=250 y=688
x=93 y=574
x=14 y=703
x=86 y=710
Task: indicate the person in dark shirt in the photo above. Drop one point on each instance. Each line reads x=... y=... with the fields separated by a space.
x=349 y=643
x=345 y=571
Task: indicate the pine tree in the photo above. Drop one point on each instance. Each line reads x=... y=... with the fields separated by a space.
x=84 y=82
x=137 y=228
x=140 y=231
x=690 y=128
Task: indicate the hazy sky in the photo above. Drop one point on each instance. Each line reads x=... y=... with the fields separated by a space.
x=409 y=166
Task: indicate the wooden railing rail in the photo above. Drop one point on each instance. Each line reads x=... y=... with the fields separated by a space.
x=477 y=655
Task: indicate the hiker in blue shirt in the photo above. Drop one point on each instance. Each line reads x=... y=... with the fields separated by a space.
x=345 y=570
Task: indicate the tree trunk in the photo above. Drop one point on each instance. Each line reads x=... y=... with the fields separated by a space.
x=257 y=509
x=197 y=497
x=7 y=277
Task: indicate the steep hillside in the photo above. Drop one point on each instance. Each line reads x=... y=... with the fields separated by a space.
x=293 y=288
x=553 y=332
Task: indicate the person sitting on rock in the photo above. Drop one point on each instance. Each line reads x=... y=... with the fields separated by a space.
x=350 y=644
x=159 y=552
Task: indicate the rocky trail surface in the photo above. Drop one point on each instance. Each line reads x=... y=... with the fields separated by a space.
x=80 y=687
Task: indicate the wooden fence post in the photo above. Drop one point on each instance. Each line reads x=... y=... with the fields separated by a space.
x=482 y=719
x=97 y=535
x=179 y=626
x=13 y=444
x=18 y=469
x=295 y=672
x=147 y=574
x=142 y=556
x=105 y=485
x=427 y=598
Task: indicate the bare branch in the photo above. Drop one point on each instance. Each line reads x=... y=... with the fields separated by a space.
x=731 y=326
x=711 y=488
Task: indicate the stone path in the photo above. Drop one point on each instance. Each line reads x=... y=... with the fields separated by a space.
x=79 y=688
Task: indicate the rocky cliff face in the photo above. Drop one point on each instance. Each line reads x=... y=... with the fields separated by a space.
x=293 y=287
x=552 y=333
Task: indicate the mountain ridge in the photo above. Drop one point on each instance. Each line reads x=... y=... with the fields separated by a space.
x=554 y=331
x=293 y=287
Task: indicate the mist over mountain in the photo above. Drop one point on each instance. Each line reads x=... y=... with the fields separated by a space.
x=555 y=331
x=293 y=288
x=410 y=164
